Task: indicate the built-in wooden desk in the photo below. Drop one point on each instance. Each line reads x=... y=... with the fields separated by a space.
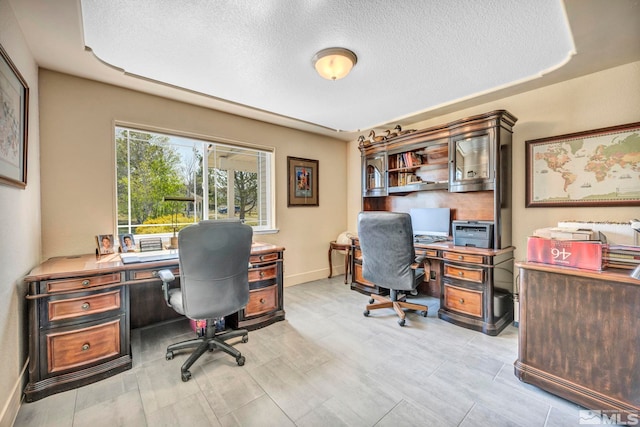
x=579 y=335
x=82 y=308
x=474 y=284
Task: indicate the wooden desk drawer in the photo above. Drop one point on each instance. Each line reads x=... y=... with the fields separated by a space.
x=81 y=282
x=458 y=257
x=262 y=301
x=80 y=347
x=256 y=259
x=68 y=308
x=463 y=273
x=463 y=300
x=263 y=273
x=432 y=253
x=152 y=273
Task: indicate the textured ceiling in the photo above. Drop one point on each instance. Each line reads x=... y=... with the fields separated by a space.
x=413 y=55
x=606 y=34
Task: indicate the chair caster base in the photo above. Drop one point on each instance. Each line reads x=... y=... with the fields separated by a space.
x=240 y=360
x=169 y=355
x=366 y=313
x=401 y=322
x=186 y=376
x=245 y=338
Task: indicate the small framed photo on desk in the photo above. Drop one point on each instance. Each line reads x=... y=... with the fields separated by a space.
x=105 y=244
x=127 y=243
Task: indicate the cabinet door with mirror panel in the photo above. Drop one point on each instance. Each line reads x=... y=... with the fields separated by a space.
x=472 y=161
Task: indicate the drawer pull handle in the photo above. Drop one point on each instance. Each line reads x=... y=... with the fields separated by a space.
x=460 y=257
x=86 y=306
x=85 y=346
x=262 y=301
x=461 y=300
x=460 y=273
x=85 y=282
x=262 y=274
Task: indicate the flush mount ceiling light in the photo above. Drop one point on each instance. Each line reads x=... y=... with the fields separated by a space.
x=334 y=63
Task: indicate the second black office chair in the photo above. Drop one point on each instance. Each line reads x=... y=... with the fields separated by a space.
x=214 y=282
x=389 y=260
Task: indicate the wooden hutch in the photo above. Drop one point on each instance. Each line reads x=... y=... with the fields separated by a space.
x=464 y=165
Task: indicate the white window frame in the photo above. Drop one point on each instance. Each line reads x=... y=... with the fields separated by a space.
x=268 y=188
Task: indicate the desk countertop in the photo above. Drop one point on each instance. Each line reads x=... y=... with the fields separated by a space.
x=89 y=264
x=449 y=246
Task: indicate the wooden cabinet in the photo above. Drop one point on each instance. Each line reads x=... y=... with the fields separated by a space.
x=476 y=288
x=463 y=165
x=266 y=301
x=78 y=331
x=579 y=336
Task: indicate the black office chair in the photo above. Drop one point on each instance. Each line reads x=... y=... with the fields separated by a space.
x=214 y=280
x=389 y=260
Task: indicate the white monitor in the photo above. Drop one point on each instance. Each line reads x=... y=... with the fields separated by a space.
x=431 y=221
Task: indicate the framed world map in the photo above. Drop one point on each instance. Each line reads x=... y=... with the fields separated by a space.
x=600 y=167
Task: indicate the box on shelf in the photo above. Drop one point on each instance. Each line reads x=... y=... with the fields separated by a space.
x=568 y=253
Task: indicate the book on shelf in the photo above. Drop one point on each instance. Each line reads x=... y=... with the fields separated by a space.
x=621 y=256
x=408 y=159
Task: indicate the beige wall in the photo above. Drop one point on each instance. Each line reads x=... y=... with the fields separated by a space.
x=78 y=173
x=19 y=232
x=607 y=98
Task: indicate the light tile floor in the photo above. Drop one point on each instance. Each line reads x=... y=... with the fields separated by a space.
x=325 y=365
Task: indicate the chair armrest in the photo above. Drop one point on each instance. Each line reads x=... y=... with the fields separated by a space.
x=420 y=259
x=166 y=276
x=421 y=264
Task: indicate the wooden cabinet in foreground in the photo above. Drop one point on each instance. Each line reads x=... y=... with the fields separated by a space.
x=579 y=336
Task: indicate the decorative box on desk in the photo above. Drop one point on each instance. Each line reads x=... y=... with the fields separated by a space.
x=568 y=253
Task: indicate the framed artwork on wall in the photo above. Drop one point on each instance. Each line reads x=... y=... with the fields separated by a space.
x=14 y=112
x=599 y=167
x=302 y=176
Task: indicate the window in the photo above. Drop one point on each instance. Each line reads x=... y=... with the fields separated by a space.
x=210 y=180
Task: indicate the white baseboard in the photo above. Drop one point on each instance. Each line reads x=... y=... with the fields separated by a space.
x=12 y=405
x=310 y=276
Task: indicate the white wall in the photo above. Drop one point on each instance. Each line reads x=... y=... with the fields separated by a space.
x=78 y=168
x=606 y=98
x=19 y=231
